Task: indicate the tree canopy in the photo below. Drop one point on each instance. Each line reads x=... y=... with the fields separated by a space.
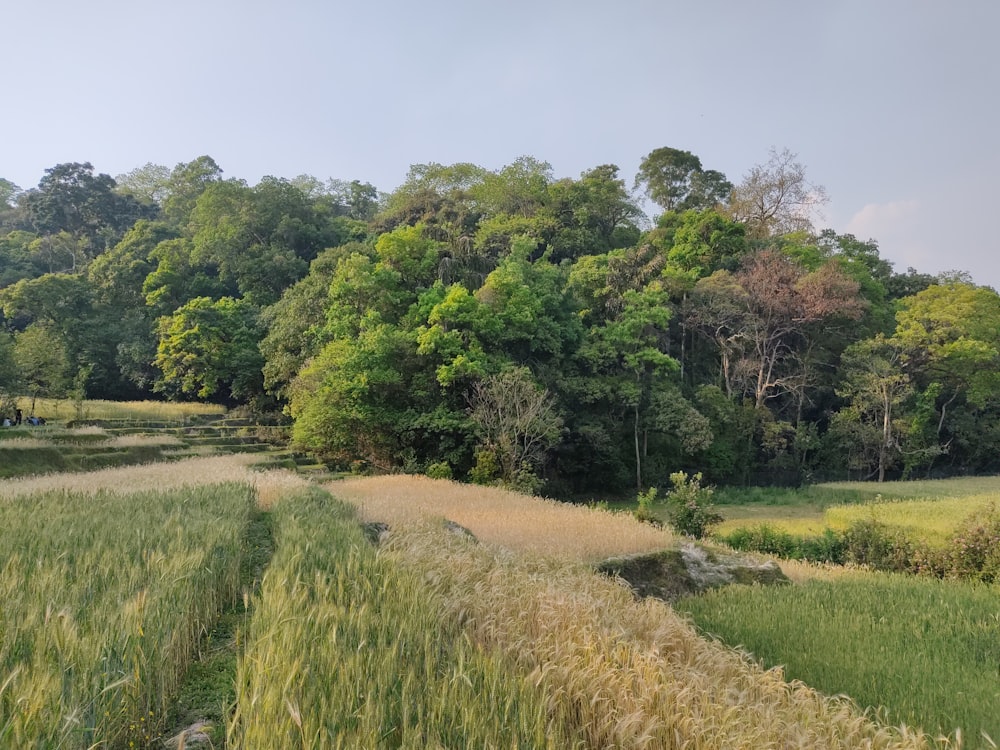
x=521 y=327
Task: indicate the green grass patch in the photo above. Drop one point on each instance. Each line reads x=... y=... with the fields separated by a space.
x=19 y=462
x=930 y=521
x=926 y=650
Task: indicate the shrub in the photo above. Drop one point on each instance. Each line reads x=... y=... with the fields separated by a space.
x=689 y=505
x=765 y=539
x=487 y=468
x=646 y=500
x=877 y=546
x=974 y=551
x=828 y=547
x=439 y=470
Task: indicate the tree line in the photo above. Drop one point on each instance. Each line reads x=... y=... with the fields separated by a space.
x=507 y=325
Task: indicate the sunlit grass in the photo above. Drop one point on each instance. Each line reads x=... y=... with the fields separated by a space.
x=925 y=510
x=932 y=521
x=160 y=475
x=348 y=649
x=923 y=488
x=92 y=438
x=631 y=673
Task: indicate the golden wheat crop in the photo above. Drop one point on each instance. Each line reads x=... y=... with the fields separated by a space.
x=68 y=439
x=159 y=411
x=506 y=518
x=346 y=649
x=191 y=472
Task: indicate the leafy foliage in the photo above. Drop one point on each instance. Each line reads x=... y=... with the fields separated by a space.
x=689 y=505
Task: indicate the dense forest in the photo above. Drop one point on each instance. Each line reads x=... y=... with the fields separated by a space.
x=505 y=325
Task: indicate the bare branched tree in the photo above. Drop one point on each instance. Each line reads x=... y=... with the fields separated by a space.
x=776 y=198
x=517 y=420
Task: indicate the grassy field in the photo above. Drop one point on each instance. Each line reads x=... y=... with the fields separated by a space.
x=347 y=649
x=927 y=650
x=111 y=580
x=926 y=510
x=144 y=411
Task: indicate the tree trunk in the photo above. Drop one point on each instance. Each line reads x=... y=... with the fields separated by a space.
x=886 y=438
x=638 y=459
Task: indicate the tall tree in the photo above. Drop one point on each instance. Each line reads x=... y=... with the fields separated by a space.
x=675 y=180
x=758 y=317
x=210 y=349
x=71 y=198
x=871 y=426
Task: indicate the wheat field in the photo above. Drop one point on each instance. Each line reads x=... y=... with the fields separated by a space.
x=509 y=519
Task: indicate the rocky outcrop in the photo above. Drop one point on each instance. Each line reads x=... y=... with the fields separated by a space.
x=672 y=574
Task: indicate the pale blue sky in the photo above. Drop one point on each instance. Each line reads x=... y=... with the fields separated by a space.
x=892 y=105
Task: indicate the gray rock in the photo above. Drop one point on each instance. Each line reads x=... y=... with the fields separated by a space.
x=672 y=574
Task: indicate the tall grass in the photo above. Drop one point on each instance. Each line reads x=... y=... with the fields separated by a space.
x=346 y=649
x=191 y=472
x=104 y=596
x=922 y=488
x=928 y=650
x=932 y=521
x=925 y=510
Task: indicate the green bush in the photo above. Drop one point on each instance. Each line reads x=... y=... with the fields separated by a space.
x=689 y=505
x=487 y=468
x=439 y=470
x=878 y=546
x=974 y=551
x=645 y=501
x=765 y=539
x=828 y=547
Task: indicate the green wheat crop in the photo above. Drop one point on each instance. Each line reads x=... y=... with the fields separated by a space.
x=103 y=597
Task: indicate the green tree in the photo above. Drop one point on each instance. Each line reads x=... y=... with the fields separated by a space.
x=675 y=180
x=351 y=402
x=296 y=324
x=71 y=198
x=209 y=349
x=186 y=183
x=149 y=184
x=43 y=363
x=875 y=386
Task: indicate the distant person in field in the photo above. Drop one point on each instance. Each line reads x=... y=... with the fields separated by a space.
x=17 y=416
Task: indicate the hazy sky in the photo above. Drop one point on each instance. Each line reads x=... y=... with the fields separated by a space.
x=892 y=105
